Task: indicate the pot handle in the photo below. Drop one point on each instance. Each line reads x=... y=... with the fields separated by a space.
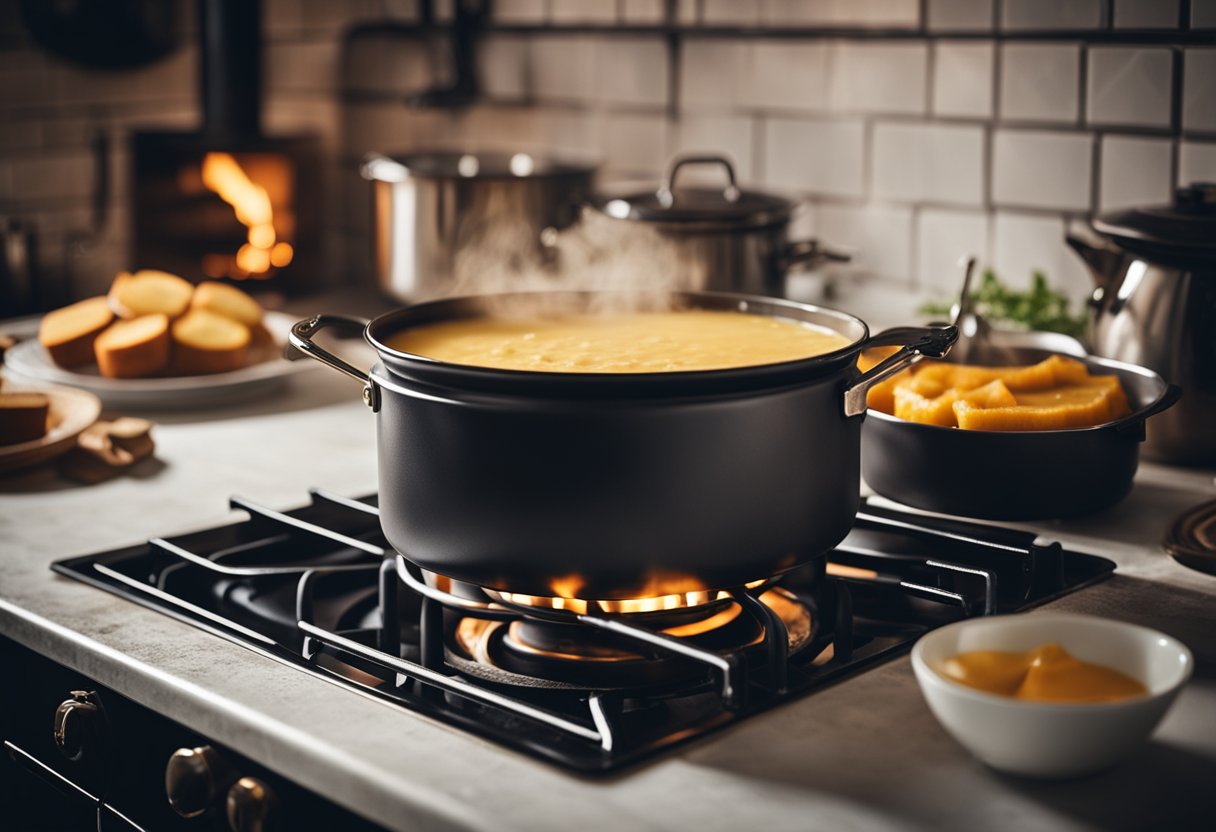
x=806 y=254
x=301 y=336
x=730 y=193
x=917 y=343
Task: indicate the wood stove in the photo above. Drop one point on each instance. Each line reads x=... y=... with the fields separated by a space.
x=226 y=201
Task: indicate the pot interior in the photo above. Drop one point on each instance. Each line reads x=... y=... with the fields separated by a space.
x=518 y=304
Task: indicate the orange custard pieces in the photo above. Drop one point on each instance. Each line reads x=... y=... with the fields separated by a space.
x=1054 y=394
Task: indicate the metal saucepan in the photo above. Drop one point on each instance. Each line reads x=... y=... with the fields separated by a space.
x=1016 y=475
x=443 y=219
x=722 y=239
x=607 y=486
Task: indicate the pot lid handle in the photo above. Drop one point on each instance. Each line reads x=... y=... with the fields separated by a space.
x=730 y=193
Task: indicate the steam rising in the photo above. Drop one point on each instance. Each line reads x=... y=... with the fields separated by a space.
x=628 y=264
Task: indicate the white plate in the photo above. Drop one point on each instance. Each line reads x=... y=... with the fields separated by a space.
x=71 y=411
x=28 y=361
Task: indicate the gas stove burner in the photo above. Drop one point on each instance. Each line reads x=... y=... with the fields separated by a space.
x=678 y=600
x=542 y=652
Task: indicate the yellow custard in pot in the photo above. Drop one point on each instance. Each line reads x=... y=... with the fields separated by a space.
x=641 y=342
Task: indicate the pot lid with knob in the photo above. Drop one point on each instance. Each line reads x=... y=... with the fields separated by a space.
x=726 y=207
x=1186 y=228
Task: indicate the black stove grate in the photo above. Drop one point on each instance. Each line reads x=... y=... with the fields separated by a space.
x=318 y=587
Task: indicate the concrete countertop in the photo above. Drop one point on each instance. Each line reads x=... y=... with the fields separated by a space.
x=862 y=755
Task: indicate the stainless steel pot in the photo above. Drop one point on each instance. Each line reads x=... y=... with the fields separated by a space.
x=616 y=486
x=719 y=239
x=1154 y=305
x=443 y=221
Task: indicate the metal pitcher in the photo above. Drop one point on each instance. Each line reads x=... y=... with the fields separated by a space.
x=1154 y=304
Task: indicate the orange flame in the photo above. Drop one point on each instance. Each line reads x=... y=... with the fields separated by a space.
x=251 y=203
x=668 y=595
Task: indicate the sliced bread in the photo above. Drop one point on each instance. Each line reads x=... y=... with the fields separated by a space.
x=23 y=417
x=205 y=342
x=149 y=292
x=228 y=301
x=67 y=334
x=134 y=348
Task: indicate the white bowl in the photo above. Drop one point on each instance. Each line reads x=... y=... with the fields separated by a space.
x=1040 y=739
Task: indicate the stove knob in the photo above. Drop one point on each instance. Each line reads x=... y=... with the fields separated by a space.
x=252 y=806
x=78 y=725
x=195 y=779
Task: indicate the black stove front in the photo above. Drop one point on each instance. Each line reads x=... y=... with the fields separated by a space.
x=594 y=686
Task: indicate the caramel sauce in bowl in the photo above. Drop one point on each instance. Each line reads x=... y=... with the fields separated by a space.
x=1020 y=692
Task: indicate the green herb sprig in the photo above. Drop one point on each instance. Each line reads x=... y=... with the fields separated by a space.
x=1038 y=308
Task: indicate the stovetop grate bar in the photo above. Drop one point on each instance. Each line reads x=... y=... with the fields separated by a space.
x=346 y=502
x=452 y=684
x=304 y=526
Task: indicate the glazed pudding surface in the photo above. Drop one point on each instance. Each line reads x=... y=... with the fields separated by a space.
x=642 y=342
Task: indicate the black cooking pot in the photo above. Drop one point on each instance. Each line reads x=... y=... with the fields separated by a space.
x=1016 y=475
x=611 y=486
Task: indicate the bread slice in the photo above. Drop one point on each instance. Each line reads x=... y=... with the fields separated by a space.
x=149 y=292
x=135 y=348
x=228 y=301
x=205 y=342
x=262 y=346
x=23 y=417
x=67 y=334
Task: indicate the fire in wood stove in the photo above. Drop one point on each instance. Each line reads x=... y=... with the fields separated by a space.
x=227 y=201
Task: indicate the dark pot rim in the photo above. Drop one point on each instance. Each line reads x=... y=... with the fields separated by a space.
x=436 y=372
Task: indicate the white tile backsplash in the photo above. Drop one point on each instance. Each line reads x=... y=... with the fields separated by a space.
x=894 y=13
x=730 y=13
x=962 y=78
x=1203 y=14
x=928 y=162
x=944 y=239
x=302 y=67
x=714 y=73
x=789 y=76
x=61 y=175
x=879 y=77
x=563 y=68
x=390 y=65
x=1135 y=171
x=1129 y=86
x=1042 y=169
x=643 y=12
x=631 y=70
x=504 y=65
x=1196 y=162
x=733 y=136
x=961 y=15
x=1146 y=14
x=1040 y=82
x=1025 y=243
x=907 y=153
x=878 y=236
x=1199 y=90
x=634 y=145
x=1049 y=15
x=825 y=157
x=520 y=11
x=582 y=11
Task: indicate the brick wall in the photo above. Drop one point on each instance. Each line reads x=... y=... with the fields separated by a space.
x=916 y=130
